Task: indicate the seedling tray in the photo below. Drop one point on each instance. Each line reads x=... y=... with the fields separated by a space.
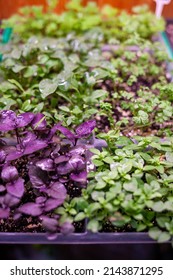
x=76 y=238
x=85 y=237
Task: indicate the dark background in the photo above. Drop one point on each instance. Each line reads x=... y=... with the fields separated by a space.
x=87 y=252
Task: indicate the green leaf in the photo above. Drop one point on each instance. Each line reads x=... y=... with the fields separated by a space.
x=7 y=102
x=99 y=94
x=47 y=87
x=64 y=108
x=154 y=233
x=95 y=151
x=17 y=84
x=93 y=207
x=93 y=226
x=79 y=217
x=169 y=156
x=125 y=167
x=131 y=186
x=158 y=206
x=162 y=221
x=163 y=237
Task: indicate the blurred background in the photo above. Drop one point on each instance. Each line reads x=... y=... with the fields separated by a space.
x=9 y=7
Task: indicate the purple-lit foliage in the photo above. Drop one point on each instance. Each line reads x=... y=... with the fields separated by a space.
x=51 y=164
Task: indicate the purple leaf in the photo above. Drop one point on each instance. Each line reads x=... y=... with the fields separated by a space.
x=49 y=224
x=34 y=146
x=78 y=150
x=14 y=155
x=2 y=188
x=80 y=178
x=10 y=200
x=51 y=204
x=57 y=190
x=67 y=133
x=77 y=162
x=24 y=119
x=16 y=188
x=2 y=156
x=99 y=144
x=39 y=122
x=7 y=120
x=64 y=168
x=29 y=137
x=40 y=199
x=31 y=208
x=61 y=159
x=85 y=129
x=45 y=164
x=4 y=213
x=67 y=228
x=9 y=173
x=38 y=177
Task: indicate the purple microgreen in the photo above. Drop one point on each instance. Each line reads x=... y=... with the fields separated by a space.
x=2 y=188
x=50 y=224
x=37 y=177
x=64 y=168
x=24 y=119
x=2 y=156
x=39 y=122
x=34 y=146
x=45 y=164
x=4 y=213
x=11 y=200
x=77 y=162
x=31 y=208
x=14 y=154
x=67 y=133
x=52 y=203
x=85 y=129
x=67 y=228
x=61 y=159
x=29 y=137
x=78 y=150
x=40 y=200
x=79 y=178
x=7 y=120
x=16 y=188
x=58 y=191
x=9 y=173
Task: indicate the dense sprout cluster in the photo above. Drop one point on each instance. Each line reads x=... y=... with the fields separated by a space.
x=50 y=164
